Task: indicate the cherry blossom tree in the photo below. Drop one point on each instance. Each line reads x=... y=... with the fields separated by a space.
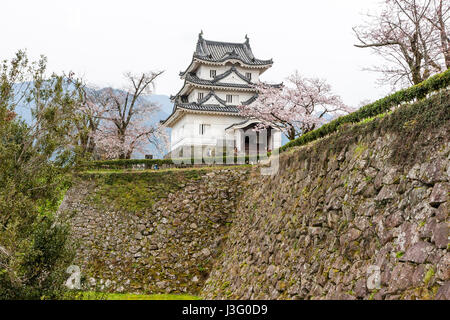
x=296 y=108
x=124 y=125
x=411 y=36
x=110 y=143
x=438 y=16
x=93 y=105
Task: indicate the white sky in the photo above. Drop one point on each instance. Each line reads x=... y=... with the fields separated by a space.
x=101 y=39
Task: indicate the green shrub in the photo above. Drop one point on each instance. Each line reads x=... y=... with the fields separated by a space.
x=40 y=268
x=34 y=161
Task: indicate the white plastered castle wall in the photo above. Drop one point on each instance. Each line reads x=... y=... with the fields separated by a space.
x=186 y=131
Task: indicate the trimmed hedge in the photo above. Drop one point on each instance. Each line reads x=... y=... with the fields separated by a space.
x=415 y=92
x=149 y=163
x=123 y=163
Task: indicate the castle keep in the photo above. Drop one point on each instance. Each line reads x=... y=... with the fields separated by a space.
x=220 y=77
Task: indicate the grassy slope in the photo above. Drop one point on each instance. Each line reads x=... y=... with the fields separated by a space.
x=137 y=190
x=129 y=296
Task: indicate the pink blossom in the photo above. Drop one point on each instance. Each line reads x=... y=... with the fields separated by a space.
x=296 y=108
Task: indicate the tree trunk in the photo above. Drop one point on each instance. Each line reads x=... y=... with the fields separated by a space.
x=444 y=38
x=123 y=152
x=291 y=133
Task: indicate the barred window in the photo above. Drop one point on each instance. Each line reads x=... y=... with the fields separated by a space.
x=200 y=96
x=212 y=73
x=248 y=75
x=203 y=129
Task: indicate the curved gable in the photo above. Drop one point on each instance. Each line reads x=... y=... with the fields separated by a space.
x=233 y=76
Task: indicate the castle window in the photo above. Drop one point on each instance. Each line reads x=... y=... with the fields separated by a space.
x=248 y=75
x=229 y=98
x=200 y=96
x=212 y=73
x=203 y=129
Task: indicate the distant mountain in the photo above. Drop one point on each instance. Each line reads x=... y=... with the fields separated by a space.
x=23 y=110
x=165 y=110
x=163 y=101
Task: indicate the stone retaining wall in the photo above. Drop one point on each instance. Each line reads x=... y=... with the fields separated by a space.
x=361 y=214
x=368 y=202
x=154 y=232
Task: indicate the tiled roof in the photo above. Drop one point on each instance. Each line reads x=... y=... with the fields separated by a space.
x=202 y=105
x=208 y=107
x=217 y=51
x=250 y=100
x=196 y=80
x=212 y=94
x=230 y=71
x=237 y=124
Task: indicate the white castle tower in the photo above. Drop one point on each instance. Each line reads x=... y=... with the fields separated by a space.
x=220 y=77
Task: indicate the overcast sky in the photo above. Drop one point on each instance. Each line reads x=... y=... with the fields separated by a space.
x=101 y=39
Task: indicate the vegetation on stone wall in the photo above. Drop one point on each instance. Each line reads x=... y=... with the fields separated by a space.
x=373 y=195
x=151 y=231
x=135 y=193
x=412 y=121
x=89 y=295
x=416 y=92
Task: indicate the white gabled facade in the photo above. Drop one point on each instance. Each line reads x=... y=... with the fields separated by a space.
x=219 y=78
